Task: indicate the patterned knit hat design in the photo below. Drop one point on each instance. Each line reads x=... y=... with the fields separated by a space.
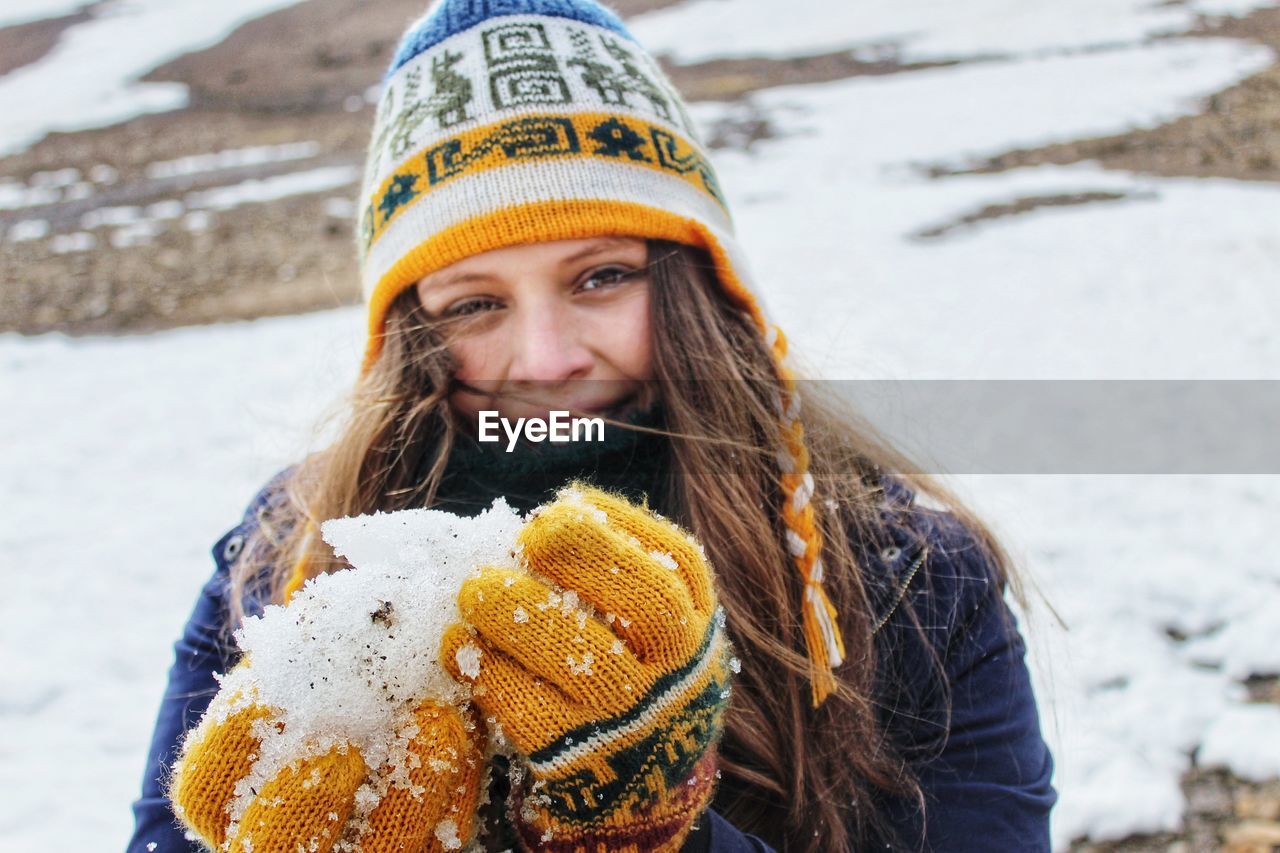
x=507 y=122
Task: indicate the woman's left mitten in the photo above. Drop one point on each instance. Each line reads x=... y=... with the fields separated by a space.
x=607 y=666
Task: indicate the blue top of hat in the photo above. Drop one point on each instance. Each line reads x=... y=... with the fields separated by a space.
x=451 y=17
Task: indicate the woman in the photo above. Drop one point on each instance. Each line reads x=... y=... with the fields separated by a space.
x=542 y=231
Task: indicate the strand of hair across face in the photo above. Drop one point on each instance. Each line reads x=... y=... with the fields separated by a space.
x=823 y=640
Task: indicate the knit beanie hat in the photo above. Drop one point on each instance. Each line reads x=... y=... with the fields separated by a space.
x=506 y=122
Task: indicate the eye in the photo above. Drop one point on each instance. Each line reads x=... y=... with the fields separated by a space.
x=607 y=277
x=470 y=307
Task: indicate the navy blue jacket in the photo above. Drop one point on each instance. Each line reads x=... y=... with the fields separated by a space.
x=985 y=773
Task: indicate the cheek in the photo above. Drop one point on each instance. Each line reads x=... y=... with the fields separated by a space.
x=625 y=338
x=476 y=357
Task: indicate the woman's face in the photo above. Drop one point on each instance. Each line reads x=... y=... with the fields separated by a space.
x=555 y=325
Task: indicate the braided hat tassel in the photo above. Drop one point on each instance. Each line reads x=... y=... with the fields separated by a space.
x=823 y=640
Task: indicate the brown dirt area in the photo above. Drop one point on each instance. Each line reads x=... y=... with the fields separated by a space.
x=1016 y=208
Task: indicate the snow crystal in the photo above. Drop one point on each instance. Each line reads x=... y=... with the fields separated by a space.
x=468 y=658
x=355 y=651
x=575 y=498
x=665 y=559
x=581 y=667
x=735 y=664
x=447 y=834
x=520 y=615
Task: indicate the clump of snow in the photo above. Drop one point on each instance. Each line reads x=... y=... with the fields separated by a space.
x=447 y=834
x=14 y=195
x=55 y=178
x=232 y=158
x=197 y=220
x=103 y=174
x=139 y=233
x=28 y=229
x=581 y=666
x=356 y=651
x=259 y=190
x=468 y=658
x=575 y=498
x=665 y=559
x=1245 y=739
x=339 y=207
x=80 y=241
x=123 y=215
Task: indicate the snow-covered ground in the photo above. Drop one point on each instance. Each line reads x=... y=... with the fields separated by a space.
x=914 y=30
x=89 y=79
x=126 y=458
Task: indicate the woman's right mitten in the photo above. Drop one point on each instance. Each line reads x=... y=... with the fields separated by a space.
x=310 y=802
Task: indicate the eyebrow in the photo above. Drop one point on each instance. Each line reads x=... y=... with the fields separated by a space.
x=452 y=278
x=599 y=247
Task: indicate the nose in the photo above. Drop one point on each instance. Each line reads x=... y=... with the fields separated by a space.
x=548 y=348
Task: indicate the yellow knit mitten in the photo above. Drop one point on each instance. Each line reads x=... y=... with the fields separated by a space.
x=607 y=667
x=306 y=806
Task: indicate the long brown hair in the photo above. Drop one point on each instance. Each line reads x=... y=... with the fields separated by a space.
x=801 y=778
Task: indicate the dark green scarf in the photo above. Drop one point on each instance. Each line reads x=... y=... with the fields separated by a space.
x=629 y=461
